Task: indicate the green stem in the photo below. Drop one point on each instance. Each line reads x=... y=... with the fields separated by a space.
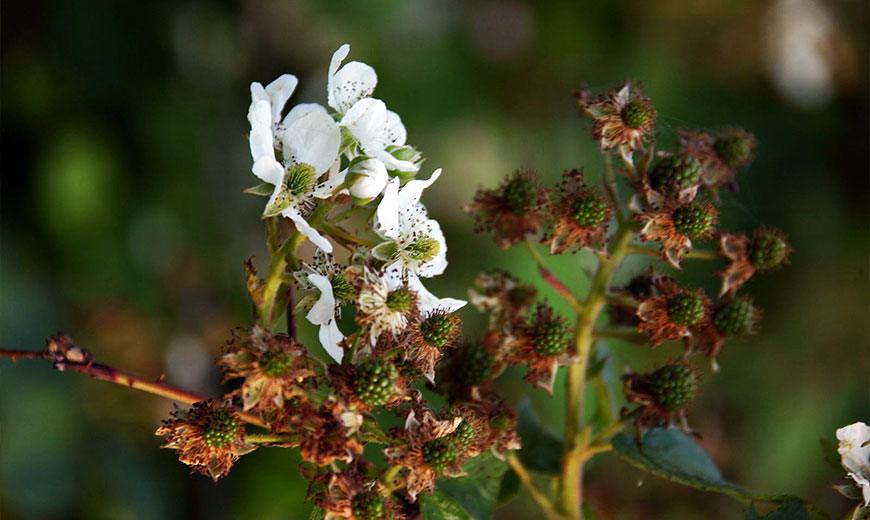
x=265 y=438
x=627 y=334
x=538 y=496
x=571 y=482
x=551 y=279
x=286 y=255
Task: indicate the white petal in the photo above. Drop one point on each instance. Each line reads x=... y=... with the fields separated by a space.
x=330 y=337
x=312 y=139
x=300 y=110
x=310 y=233
x=279 y=92
x=269 y=170
x=429 y=302
x=260 y=138
x=413 y=190
x=258 y=93
x=337 y=57
x=367 y=120
x=391 y=162
x=395 y=130
x=387 y=214
x=325 y=189
x=371 y=179
x=323 y=310
x=438 y=264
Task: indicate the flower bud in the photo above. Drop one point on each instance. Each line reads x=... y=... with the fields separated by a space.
x=366 y=180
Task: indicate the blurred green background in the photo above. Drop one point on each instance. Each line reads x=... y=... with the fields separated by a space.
x=123 y=222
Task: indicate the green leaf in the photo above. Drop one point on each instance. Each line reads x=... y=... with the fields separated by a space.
x=477 y=494
x=509 y=488
x=439 y=506
x=261 y=190
x=674 y=455
x=791 y=508
x=542 y=449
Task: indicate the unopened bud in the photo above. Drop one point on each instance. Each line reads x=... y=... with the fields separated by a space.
x=367 y=179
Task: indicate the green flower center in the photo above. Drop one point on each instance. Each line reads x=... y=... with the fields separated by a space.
x=735 y=317
x=767 y=251
x=437 y=329
x=589 y=211
x=423 y=248
x=685 y=309
x=342 y=289
x=368 y=505
x=220 y=428
x=692 y=220
x=673 y=386
x=439 y=454
x=520 y=193
x=636 y=114
x=374 y=382
x=400 y=300
x=299 y=179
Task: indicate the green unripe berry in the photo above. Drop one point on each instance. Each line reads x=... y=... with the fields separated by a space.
x=676 y=173
x=735 y=317
x=463 y=437
x=551 y=338
x=220 y=428
x=734 y=150
x=475 y=365
x=673 y=386
x=685 y=309
x=589 y=211
x=692 y=220
x=275 y=363
x=636 y=114
x=374 y=381
x=437 y=329
x=368 y=506
x=400 y=300
x=520 y=193
x=767 y=251
x=439 y=454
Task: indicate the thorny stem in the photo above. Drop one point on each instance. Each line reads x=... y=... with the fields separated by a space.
x=551 y=279
x=571 y=482
x=537 y=495
x=120 y=377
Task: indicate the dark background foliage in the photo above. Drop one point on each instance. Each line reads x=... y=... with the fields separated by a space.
x=124 y=225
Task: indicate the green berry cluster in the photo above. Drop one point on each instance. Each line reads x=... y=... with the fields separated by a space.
x=735 y=317
x=685 y=309
x=374 y=381
x=437 y=329
x=675 y=173
x=673 y=386
x=550 y=336
x=636 y=114
x=368 y=505
x=220 y=428
x=439 y=454
x=767 y=250
x=275 y=363
x=475 y=365
x=693 y=219
x=734 y=150
x=463 y=436
x=589 y=211
x=520 y=193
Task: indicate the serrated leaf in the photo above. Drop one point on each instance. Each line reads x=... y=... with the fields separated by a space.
x=476 y=494
x=674 y=455
x=542 y=449
x=261 y=190
x=509 y=487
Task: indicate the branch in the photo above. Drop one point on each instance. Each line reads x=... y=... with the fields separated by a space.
x=66 y=355
x=552 y=280
x=537 y=495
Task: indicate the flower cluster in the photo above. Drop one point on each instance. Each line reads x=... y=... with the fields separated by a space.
x=343 y=177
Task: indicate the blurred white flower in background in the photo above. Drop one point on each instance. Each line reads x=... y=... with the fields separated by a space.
x=854 y=452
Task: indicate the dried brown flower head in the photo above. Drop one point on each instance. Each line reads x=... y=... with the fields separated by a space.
x=503 y=297
x=428 y=338
x=328 y=433
x=673 y=312
x=209 y=437
x=722 y=154
x=580 y=215
x=542 y=344
x=513 y=212
x=675 y=226
x=663 y=395
x=766 y=250
x=623 y=118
